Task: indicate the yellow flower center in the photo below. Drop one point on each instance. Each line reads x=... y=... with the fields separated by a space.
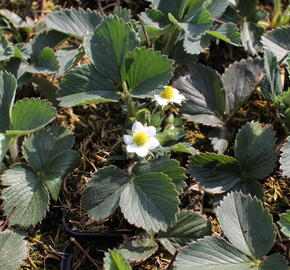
x=140 y=138
x=168 y=93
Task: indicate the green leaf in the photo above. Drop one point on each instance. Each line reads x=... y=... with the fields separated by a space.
x=272 y=82
x=251 y=35
x=246 y=224
x=139 y=249
x=16 y=20
x=148 y=72
x=29 y=115
x=227 y=32
x=204 y=93
x=284 y=223
x=48 y=153
x=84 y=85
x=255 y=150
x=43 y=146
x=123 y=13
x=6 y=49
x=7 y=96
x=67 y=58
x=45 y=63
x=109 y=46
x=46 y=38
x=212 y=253
x=26 y=193
x=285 y=158
x=150 y=201
x=18 y=68
x=57 y=170
x=175 y=7
x=274 y=261
x=114 y=261
x=189 y=226
x=196 y=45
x=216 y=173
x=216 y=7
x=76 y=22
x=240 y=80
x=102 y=194
x=13 y=250
x=4 y=144
x=246 y=8
x=183 y=148
x=278 y=41
x=170 y=167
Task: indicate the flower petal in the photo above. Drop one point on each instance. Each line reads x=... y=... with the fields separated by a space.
x=142 y=151
x=161 y=101
x=128 y=139
x=131 y=148
x=150 y=131
x=137 y=126
x=152 y=143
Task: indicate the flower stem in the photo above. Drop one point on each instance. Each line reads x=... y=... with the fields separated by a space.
x=128 y=100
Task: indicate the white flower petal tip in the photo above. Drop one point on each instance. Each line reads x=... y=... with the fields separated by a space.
x=142 y=140
x=169 y=95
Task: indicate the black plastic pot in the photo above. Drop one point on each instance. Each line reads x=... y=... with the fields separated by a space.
x=101 y=241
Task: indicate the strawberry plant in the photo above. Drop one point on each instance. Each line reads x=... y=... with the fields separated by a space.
x=159 y=134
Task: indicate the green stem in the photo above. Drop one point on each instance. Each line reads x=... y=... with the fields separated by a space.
x=13 y=148
x=277 y=12
x=128 y=100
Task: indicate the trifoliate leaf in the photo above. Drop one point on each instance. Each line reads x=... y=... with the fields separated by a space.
x=26 y=193
x=102 y=194
x=6 y=49
x=278 y=41
x=284 y=223
x=227 y=32
x=45 y=145
x=212 y=253
x=150 y=201
x=240 y=80
x=84 y=85
x=170 y=167
x=255 y=150
x=246 y=224
x=7 y=96
x=216 y=173
x=274 y=261
x=48 y=153
x=139 y=249
x=285 y=158
x=29 y=115
x=109 y=45
x=114 y=261
x=272 y=82
x=147 y=72
x=76 y=22
x=204 y=93
x=13 y=250
x=251 y=35
x=189 y=226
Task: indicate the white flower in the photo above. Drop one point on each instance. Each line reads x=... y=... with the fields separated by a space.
x=169 y=95
x=142 y=140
